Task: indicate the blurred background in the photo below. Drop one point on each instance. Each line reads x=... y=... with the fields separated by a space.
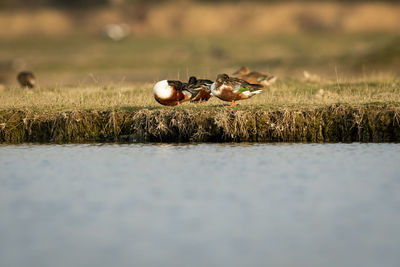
x=83 y=42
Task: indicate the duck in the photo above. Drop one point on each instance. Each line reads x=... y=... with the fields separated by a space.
x=233 y=89
x=200 y=89
x=26 y=79
x=254 y=77
x=171 y=92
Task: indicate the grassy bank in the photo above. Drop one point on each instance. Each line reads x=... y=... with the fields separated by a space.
x=336 y=123
x=291 y=110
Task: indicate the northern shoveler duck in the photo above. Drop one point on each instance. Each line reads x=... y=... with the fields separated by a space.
x=254 y=77
x=171 y=93
x=26 y=79
x=200 y=89
x=232 y=89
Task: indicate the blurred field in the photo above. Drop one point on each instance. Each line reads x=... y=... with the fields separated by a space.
x=168 y=18
x=90 y=60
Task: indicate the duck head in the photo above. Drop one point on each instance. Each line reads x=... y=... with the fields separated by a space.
x=221 y=78
x=192 y=80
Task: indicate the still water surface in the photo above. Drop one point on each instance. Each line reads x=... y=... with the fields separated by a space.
x=200 y=205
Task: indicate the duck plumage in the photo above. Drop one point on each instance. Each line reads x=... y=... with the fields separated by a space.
x=200 y=89
x=26 y=79
x=171 y=93
x=232 y=89
x=254 y=77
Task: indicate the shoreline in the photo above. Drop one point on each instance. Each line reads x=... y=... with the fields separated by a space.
x=334 y=123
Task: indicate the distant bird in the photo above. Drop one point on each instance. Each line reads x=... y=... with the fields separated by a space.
x=200 y=89
x=254 y=76
x=233 y=89
x=117 y=32
x=26 y=79
x=171 y=93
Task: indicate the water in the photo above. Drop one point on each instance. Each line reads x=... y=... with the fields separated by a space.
x=200 y=205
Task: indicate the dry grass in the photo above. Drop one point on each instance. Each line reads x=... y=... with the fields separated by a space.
x=328 y=124
x=284 y=93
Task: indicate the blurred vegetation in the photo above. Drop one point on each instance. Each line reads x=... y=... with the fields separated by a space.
x=94 y=3
x=87 y=60
x=194 y=18
x=385 y=54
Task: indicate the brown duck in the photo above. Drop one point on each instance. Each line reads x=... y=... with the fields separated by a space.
x=233 y=89
x=171 y=93
x=254 y=77
x=200 y=89
x=26 y=79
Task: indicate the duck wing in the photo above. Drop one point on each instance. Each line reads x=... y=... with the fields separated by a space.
x=205 y=81
x=242 y=86
x=178 y=85
x=201 y=84
x=260 y=77
x=201 y=95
